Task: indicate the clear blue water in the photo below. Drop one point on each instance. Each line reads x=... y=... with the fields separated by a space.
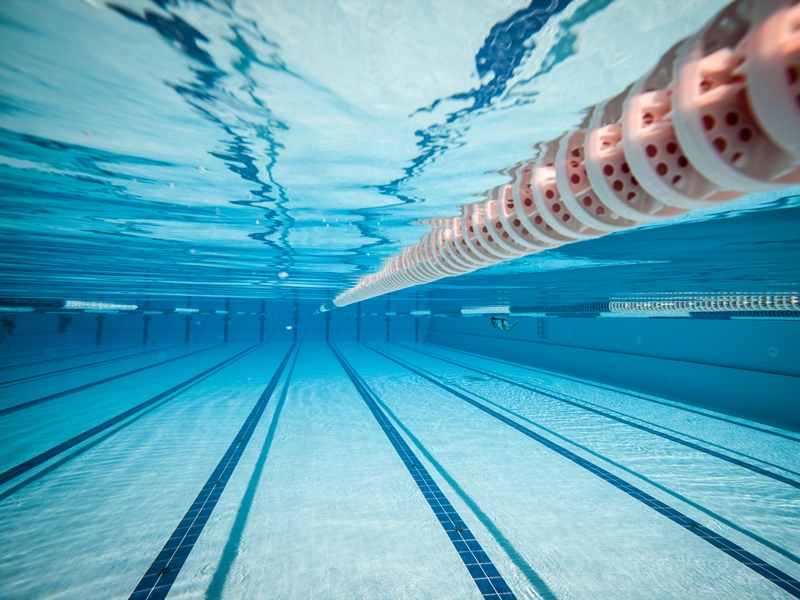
x=250 y=160
x=192 y=148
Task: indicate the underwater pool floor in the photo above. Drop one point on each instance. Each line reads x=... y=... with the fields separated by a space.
x=312 y=470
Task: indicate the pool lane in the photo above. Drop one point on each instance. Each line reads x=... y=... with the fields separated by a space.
x=480 y=567
x=21 y=374
x=757 y=509
x=157 y=581
x=106 y=379
x=33 y=462
x=766 y=570
x=92 y=528
x=761 y=509
x=38 y=391
x=674 y=406
x=778 y=453
x=571 y=401
x=333 y=513
x=22 y=360
x=30 y=432
x=438 y=423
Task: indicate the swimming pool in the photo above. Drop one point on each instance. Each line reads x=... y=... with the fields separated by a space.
x=185 y=183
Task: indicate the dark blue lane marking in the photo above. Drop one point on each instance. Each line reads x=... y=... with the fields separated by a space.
x=627 y=393
x=232 y=547
x=78 y=367
x=34 y=462
x=751 y=561
x=480 y=567
x=86 y=386
x=706 y=511
x=158 y=579
x=666 y=436
x=46 y=360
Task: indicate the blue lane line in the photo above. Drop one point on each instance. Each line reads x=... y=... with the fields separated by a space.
x=86 y=386
x=751 y=561
x=666 y=436
x=158 y=579
x=626 y=393
x=46 y=360
x=37 y=460
x=486 y=576
x=79 y=367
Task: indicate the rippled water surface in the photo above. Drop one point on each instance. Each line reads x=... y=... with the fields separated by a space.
x=266 y=149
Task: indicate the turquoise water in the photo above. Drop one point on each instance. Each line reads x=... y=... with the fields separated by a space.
x=193 y=148
x=183 y=183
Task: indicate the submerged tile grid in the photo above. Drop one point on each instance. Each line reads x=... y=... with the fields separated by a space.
x=730 y=459
x=86 y=386
x=486 y=576
x=773 y=574
x=37 y=460
x=157 y=581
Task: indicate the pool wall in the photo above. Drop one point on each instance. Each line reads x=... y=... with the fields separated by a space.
x=241 y=319
x=744 y=368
